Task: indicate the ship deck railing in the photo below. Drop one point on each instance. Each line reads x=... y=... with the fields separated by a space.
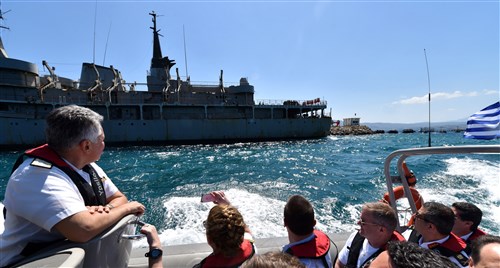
x=292 y=103
x=140 y=99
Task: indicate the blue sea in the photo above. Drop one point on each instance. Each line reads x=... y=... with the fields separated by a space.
x=337 y=174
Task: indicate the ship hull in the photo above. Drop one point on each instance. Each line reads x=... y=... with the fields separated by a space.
x=25 y=132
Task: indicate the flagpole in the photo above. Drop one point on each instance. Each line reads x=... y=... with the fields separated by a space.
x=429 y=85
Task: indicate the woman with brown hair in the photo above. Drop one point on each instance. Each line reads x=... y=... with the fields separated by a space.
x=227 y=234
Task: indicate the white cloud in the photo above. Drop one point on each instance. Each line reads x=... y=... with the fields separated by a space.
x=414 y=100
x=490 y=92
x=444 y=96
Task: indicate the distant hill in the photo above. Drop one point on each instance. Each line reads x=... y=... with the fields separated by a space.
x=448 y=126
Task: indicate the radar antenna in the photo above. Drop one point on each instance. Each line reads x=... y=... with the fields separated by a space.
x=154 y=23
x=2 y=18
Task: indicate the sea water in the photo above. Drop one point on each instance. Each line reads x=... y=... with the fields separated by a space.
x=337 y=174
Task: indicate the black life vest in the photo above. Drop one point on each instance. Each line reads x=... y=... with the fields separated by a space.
x=316 y=248
x=45 y=157
x=357 y=244
x=454 y=246
x=414 y=236
x=247 y=250
x=92 y=196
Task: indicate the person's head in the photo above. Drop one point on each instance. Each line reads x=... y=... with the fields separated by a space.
x=299 y=215
x=225 y=229
x=467 y=218
x=433 y=220
x=409 y=255
x=273 y=259
x=412 y=180
x=485 y=252
x=377 y=222
x=410 y=176
x=73 y=125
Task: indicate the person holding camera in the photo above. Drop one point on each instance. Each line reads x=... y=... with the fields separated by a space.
x=227 y=234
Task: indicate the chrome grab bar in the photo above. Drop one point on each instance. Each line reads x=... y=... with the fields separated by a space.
x=138 y=223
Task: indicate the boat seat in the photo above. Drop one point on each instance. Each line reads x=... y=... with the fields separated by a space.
x=70 y=257
x=191 y=254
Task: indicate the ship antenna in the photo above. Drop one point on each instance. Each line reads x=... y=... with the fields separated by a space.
x=1 y=17
x=95 y=22
x=185 y=53
x=429 y=85
x=106 y=46
x=3 y=54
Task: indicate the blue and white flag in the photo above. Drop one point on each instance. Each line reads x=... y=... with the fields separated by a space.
x=485 y=124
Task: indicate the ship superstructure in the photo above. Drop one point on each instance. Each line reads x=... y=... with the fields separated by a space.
x=171 y=111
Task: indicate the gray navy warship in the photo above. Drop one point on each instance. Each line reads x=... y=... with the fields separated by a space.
x=171 y=111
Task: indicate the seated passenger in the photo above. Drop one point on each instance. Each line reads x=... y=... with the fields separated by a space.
x=467 y=219
x=273 y=259
x=485 y=252
x=377 y=227
x=227 y=234
x=57 y=191
x=155 y=249
x=311 y=246
x=432 y=229
x=409 y=255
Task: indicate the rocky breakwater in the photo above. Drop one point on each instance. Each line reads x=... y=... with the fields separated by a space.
x=351 y=130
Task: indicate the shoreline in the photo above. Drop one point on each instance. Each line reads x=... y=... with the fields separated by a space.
x=365 y=130
x=352 y=130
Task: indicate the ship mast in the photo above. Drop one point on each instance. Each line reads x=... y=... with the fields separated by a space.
x=158 y=79
x=3 y=53
x=156 y=60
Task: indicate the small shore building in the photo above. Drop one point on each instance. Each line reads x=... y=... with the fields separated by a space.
x=351 y=121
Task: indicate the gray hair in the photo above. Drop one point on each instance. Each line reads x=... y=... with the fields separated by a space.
x=382 y=214
x=67 y=126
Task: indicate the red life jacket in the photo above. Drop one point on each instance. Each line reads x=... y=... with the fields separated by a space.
x=316 y=248
x=246 y=252
x=46 y=153
x=477 y=233
x=92 y=196
x=396 y=236
x=455 y=247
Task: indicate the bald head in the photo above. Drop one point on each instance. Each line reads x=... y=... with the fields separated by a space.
x=485 y=252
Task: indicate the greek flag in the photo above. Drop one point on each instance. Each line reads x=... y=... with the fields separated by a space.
x=485 y=124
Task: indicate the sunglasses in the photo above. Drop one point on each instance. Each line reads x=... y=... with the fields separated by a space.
x=420 y=216
x=364 y=223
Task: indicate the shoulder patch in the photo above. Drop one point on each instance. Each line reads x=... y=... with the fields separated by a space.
x=37 y=162
x=462 y=259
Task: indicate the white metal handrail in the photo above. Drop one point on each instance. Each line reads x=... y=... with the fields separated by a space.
x=405 y=153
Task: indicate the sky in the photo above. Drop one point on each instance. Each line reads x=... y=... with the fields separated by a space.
x=365 y=58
